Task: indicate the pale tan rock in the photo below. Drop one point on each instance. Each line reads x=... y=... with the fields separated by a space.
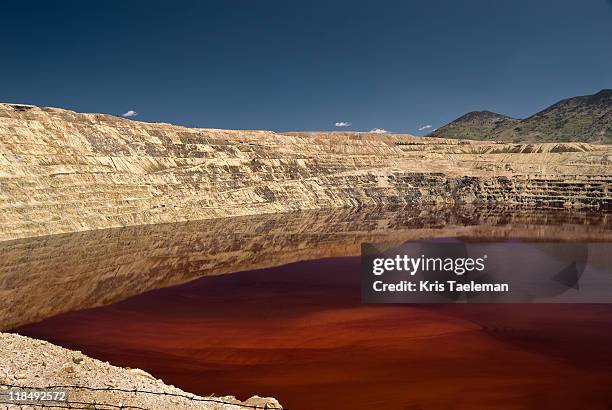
x=62 y=171
x=142 y=373
x=264 y=402
x=102 y=375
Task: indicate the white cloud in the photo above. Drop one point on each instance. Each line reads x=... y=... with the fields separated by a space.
x=130 y=113
x=343 y=124
x=425 y=127
x=379 y=131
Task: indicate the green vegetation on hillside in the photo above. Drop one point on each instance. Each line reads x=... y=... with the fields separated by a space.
x=579 y=119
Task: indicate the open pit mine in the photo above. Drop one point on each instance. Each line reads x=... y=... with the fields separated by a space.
x=77 y=175
x=62 y=171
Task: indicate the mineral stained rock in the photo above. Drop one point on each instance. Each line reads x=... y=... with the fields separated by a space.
x=62 y=171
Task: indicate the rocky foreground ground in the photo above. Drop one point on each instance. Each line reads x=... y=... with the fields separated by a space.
x=35 y=363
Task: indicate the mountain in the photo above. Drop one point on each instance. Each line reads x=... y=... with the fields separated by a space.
x=579 y=119
x=476 y=125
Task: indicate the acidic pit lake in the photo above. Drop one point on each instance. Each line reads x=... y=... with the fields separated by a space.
x=274 y=308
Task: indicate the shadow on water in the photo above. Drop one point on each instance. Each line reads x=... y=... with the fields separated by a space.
x=288 y=321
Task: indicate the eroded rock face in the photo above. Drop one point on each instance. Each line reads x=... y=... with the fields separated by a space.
x=62 y=171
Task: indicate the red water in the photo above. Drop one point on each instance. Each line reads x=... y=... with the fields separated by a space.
x=300 y=333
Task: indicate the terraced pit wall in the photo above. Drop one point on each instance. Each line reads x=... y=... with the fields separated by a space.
x=62 y=171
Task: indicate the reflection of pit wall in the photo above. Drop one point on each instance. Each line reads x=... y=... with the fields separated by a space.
x=44 y=276
x=533 y=272
x=412 y=266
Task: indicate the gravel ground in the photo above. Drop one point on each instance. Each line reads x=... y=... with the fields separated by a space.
x=36 y=363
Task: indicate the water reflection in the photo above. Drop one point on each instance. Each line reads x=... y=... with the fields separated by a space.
x=288 y=321
x=45 y=276
x=299 y=332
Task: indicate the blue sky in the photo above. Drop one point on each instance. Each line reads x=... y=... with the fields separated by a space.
x=304 y=65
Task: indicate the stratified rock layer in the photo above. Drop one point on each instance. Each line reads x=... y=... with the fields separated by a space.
x=62 y=171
